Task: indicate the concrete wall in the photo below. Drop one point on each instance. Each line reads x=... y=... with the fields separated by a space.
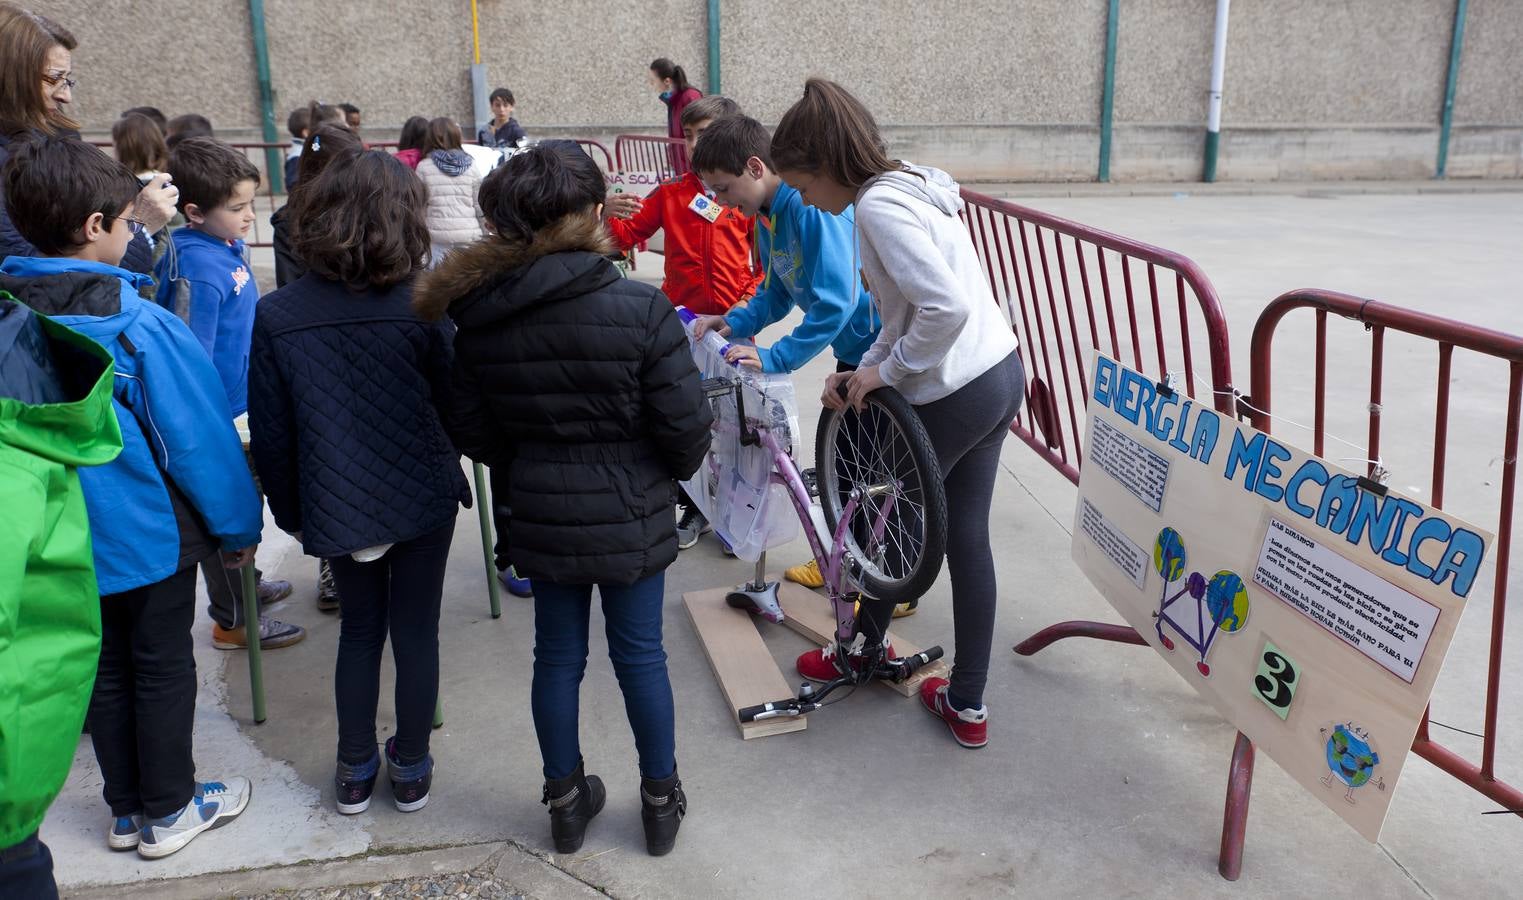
x=992 y=89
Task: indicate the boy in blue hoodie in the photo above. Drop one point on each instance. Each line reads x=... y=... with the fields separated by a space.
x=206 y=280
x=810 y=260
x=180 y=490
x=806 y=253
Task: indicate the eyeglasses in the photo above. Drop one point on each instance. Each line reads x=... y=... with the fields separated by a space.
x=133 y=225
x=53 y=78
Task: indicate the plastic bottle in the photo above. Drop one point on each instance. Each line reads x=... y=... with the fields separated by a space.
x=712 y=340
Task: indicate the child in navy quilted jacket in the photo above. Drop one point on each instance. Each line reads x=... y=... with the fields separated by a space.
x=353 y=456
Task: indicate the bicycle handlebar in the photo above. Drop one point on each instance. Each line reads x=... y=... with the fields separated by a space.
x=895 y=670
x=790 y=707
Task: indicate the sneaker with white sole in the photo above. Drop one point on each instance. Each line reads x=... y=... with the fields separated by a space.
x=273 y=634
x=822 y=665
x=410 y=783
x=214 y=804
x=353 y=785
x=124 y=832
x=970 y=727
x=691 y=527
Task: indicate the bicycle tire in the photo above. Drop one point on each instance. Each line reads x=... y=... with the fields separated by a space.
x=914 y=463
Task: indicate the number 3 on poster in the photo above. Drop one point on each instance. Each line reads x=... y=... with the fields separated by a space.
x=1277 y=679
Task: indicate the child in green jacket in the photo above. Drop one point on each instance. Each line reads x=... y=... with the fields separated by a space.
x=55 y=414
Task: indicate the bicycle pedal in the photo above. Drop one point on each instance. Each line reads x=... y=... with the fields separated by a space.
x=811 y=482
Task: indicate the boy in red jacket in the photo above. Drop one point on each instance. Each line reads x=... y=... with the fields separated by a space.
x=709 y=266
x=708 y=246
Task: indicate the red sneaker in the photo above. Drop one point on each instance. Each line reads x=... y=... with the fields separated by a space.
x=822 y=665
x=969 y=726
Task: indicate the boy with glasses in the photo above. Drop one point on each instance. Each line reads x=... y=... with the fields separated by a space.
x=179 y=492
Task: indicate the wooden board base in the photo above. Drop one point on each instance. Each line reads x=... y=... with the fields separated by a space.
x=746 y=672
x=808 y=613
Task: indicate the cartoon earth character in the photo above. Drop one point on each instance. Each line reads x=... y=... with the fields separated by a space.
x=1169 y=554
x=1350 y=759
x=1227 y=601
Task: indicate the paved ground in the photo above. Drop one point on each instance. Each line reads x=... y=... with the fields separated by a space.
x=1105 y=773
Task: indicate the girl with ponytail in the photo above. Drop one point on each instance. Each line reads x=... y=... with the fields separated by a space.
x=671 y=81
x=945 y=345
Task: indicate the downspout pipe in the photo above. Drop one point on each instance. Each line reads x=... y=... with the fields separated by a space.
x=1108 y=93
x=1218 y=75
x=481 y=108
x=1456 y=44
x=714 y=80
x=274 y=159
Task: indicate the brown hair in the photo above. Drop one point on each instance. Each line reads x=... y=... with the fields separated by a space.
x=361 y=222
x=442 y=134
x=54 y=185
x=25 y=39
x=323 y=147
x=140 y=144
x=207 y=172
x=665 y=68
x=729 y=142
x=829 y=132
x=708 y=108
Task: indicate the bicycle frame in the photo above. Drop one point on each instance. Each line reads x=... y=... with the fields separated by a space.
x=838 y=567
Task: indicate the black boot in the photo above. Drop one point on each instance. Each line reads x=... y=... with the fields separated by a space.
x=662 y=806
x=573 y=801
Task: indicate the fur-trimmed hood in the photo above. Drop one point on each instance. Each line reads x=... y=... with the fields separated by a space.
x=498 y=277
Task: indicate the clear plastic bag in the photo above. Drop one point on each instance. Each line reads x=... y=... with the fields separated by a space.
x=733 y=487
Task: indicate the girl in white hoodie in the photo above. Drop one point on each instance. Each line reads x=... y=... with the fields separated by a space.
x=945 y=345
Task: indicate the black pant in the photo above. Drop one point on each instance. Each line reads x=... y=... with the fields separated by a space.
x=501 y=515
x=26 y=870
x=967 y=430
x=400 y=592
x=144 y=703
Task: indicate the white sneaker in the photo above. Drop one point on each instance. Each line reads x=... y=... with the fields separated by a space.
x=123 y=834
x=214 y=804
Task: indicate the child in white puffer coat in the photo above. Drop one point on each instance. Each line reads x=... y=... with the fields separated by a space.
x=453 y=180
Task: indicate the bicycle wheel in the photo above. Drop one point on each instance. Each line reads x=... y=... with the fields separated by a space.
x=881 y=452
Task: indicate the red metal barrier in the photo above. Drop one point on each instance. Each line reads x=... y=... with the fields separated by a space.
x=590 y=145
x=666 y=156
x=1378 y=318
x=1069 y=290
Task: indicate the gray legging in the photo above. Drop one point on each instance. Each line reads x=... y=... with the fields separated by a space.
x=967 y=429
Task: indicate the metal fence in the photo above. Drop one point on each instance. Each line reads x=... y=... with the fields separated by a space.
x=1441 y=337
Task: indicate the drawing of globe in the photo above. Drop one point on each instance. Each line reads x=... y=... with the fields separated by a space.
x=1227 y=601
x=1351 y=760
x=1169 y=554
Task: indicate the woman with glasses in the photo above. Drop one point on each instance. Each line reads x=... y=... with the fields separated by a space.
x=36 y=86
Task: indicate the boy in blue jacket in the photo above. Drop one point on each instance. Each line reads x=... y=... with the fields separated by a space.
x=206 y=280
x=180 y=490
x=807 y=254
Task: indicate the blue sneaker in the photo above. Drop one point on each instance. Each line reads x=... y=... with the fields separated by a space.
x=214 y=804
x=518 y=587
x=124 y=832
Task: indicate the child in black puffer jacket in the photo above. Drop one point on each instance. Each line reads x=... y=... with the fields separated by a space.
x=580 y=386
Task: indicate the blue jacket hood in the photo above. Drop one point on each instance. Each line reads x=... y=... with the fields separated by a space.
x=113 y=307
x=175 y=423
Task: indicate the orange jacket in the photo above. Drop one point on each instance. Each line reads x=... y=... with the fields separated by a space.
x=708 y=264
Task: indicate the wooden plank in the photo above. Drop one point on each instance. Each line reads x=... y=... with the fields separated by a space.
x=746 y=672
x=809 y=614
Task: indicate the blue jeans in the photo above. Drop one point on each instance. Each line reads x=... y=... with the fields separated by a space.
x=632 y=614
